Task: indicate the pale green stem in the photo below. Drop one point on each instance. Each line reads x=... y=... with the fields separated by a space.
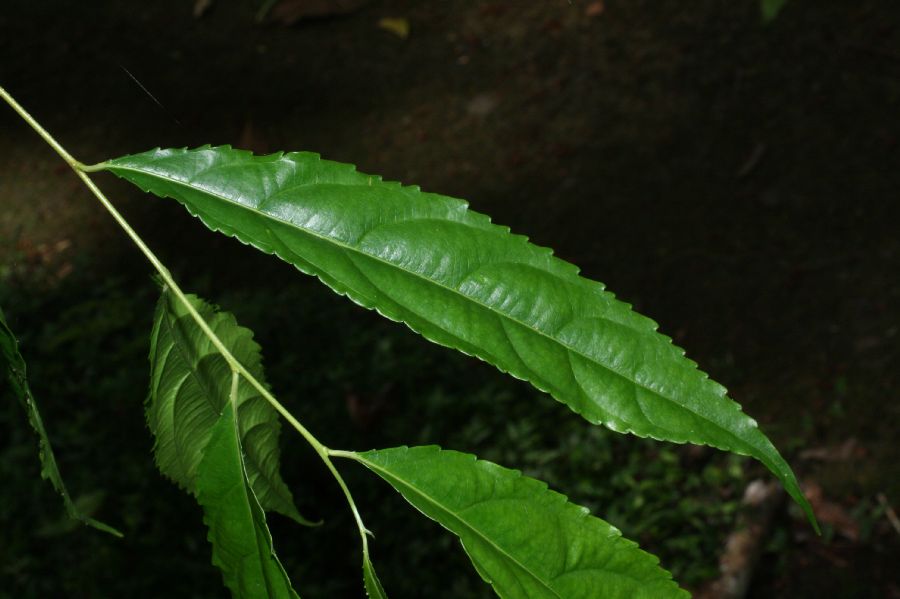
x=40 y=130
x=233 y=394
x=340 y=453
x=352 y=455
x=236 y=367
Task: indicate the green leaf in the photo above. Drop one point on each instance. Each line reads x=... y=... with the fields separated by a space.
x=242 y=544
x=771 y=8
x=374 y=590
x=525 y=540
x=461 y=281
x=189 y=388
x=13 y=366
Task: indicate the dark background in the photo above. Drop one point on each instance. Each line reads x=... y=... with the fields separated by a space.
x=735 y=180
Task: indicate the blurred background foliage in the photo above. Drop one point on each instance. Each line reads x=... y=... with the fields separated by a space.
x=734 y=178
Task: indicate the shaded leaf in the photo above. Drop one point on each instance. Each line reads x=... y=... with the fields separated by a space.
x=242 y=544
x=12 y=367
x=189 y=388
x=525 y=540
x=461 y=281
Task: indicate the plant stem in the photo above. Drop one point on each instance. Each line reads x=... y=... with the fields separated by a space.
x=236 y=367
x=37 y=127
x=352 y=455
x=340 y=453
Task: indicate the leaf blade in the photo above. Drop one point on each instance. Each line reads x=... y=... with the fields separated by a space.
x=242 y=544
x=190 y=386
x=525 y=540
x=373 y=587
x=12 y=362
x=463 y=282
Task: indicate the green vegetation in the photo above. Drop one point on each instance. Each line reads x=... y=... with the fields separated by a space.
x=460 y=281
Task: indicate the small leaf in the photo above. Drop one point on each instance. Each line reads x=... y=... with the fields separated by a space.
x=525 y=540
x=190 y=386
x=396 y=26
x=242 y=544
x=461 y=281
x=12 y=368
x=373 y=586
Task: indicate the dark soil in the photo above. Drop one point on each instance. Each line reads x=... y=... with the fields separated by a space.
x=735 y=180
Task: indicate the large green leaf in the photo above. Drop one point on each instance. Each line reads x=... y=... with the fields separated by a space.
x=461 y=281
x=242 y=545
x=525 y=540
x=12 y=366
x=189 y=388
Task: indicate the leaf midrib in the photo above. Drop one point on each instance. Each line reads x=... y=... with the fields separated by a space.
x=244 y=484
x=490 y=309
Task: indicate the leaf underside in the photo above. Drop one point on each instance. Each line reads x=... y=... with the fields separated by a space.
x=190 y=386
x=525 y=540
x=242 y=544
x=12 y=368
x=218 y=439
x=460 y=281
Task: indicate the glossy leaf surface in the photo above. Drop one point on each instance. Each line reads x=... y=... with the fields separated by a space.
x=12 y=368
x=525 y=540
x=190 y=386
x=461 y=281
x=242 y=545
